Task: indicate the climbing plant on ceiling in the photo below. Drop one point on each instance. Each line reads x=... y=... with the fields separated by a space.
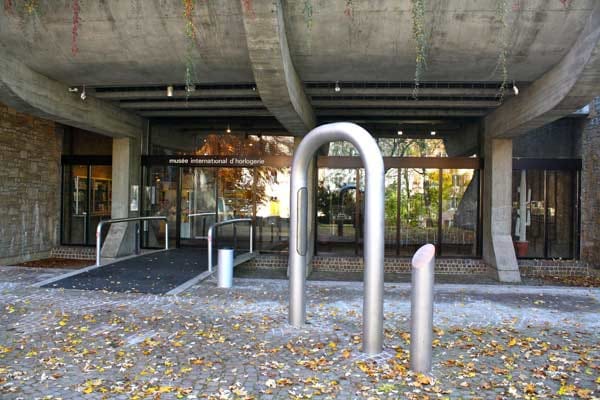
x=248 y=8
x=8 y=6
x=308 y=13
x=418 y=17
x=190 y=33
x=75 y=28
x=349 y=10
x=502 y=16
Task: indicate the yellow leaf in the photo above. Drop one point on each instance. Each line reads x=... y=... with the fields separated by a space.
x=512 y=342
x=88 y=390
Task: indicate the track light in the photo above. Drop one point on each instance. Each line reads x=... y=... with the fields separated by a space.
x=73 y=89
x=433 y=133
x=190 y=88
x=400 y=133
x=515 y=89
x=337 y=87
x=83 y=94
x=169 y=91
x=228 y=129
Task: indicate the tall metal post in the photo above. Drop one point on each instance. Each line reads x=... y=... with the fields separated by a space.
x=374 y=226
x=421 y=309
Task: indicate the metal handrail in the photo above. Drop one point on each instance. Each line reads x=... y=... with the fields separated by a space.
x=218 y=224
x=117 y=220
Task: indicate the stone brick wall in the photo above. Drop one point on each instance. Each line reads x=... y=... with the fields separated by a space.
x=444 y=266
x=590 y=188
x=30 y=151
x=454 y=266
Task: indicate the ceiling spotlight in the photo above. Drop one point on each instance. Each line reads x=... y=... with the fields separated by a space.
x=433 y=133
x=337 y=87
x=73 y=89
x=253 y=88
x=228 y=129
x=169 y=91
x=83 y=94
x=190 y=88
x=400 y=133
x=515 y=89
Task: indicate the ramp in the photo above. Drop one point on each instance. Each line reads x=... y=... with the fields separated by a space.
x=171 y=272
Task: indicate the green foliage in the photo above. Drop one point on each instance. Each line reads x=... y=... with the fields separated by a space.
x=418 y=17
x=502 y=16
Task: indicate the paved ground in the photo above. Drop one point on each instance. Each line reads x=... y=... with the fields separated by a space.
x=490 y=342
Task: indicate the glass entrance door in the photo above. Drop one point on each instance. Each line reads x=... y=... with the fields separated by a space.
x=198 y=205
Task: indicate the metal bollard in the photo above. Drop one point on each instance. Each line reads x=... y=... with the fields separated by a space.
x=421 y=309
x=225 y=268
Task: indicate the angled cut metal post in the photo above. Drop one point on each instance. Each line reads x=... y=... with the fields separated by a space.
x=374 y=225
x=421 y=309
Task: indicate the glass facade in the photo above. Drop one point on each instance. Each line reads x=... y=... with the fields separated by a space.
x=86 y=200
x=427 y=200
x=551 y=212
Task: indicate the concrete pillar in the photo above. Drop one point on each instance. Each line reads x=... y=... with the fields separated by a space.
x=498 y=249
x=126 y=170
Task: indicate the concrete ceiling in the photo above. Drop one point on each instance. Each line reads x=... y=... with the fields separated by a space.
x=137 y=42
x=130 y=50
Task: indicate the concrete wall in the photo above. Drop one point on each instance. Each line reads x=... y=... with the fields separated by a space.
x=590 y=192
x=30 y=151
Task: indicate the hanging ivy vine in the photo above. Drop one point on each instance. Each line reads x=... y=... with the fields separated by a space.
x=502 y=16
x=248 y=8
x=8 y=6
x=418 y=17
x=349 y=10
x=190 y=33
x=308 y=13
x=75 y=28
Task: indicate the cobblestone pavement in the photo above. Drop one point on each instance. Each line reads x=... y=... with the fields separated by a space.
x=489 y=342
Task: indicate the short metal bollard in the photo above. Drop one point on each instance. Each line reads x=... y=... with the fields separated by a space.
x=225 y=268
x=421 y=309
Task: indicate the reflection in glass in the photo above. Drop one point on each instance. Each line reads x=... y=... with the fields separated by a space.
x=338 y=212
x=160 y=199
x=101 y=181
x=198 y=199
x=273 y=209
x=550 y=228
x=560 y=220
x=459 y=212
x=419 y=202
x=75 y=204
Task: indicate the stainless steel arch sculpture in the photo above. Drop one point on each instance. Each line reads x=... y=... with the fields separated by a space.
x=374 y=226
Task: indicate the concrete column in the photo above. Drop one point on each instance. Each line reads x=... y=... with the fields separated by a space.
x=498 y=249
x=126 y=170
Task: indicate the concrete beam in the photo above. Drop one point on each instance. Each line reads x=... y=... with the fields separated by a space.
x=278 y=83
x=340 y=112
x=165 y=105
x=568 y=86
x=32 y=93
x=391 y=91
x=343 y=103
x=160 y=94
x=206 y=113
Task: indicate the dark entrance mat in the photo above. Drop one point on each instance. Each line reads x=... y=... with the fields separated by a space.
x=153 y=273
